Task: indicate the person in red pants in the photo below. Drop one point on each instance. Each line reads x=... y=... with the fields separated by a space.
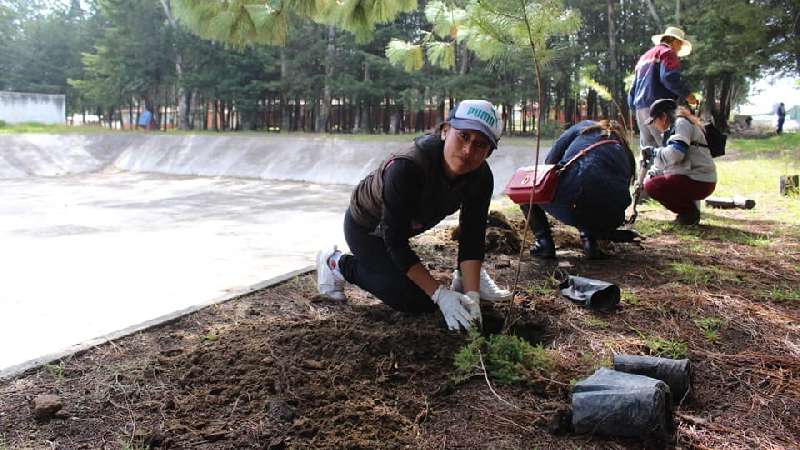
x=683 y=170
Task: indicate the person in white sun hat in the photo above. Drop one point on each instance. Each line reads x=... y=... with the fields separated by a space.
x=410 y=192
x=658 y=76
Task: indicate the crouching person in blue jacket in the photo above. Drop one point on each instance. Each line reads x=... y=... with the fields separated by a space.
x=593 y=192
x=409 y=193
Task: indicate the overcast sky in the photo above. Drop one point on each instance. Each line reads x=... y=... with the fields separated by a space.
x=767 y=92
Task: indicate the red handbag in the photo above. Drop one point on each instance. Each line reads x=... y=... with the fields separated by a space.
x=537 y=184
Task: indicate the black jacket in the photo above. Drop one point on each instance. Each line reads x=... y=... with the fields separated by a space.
x=409 y=194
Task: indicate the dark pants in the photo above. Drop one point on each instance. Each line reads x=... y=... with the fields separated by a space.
x=371 y=268
x=678 y=192
x=779 y=130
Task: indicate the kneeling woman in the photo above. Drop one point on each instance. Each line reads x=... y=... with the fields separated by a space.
x=410 y=193
x=684 y=170
x=594 y=189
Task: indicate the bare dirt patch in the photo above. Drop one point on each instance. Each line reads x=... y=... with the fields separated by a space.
x=281 y=368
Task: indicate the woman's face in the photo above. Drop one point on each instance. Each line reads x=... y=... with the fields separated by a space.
x=676 y=46
x=661 y=123
x=464 y=150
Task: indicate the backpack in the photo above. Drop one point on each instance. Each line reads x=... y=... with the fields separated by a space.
x=716 y=140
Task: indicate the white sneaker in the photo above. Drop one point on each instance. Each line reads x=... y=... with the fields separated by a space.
x=488 y=288
x=330 y=283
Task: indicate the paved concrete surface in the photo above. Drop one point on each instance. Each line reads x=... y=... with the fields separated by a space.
x=85 y=255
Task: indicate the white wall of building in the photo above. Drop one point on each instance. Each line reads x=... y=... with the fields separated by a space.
x=18 y=107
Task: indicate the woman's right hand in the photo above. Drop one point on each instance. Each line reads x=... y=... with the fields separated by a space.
x=457 y=308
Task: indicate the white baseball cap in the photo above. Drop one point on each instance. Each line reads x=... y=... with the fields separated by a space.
x=477 y=115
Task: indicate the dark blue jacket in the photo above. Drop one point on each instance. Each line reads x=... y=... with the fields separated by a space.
x=592 y=193
x=657 y=76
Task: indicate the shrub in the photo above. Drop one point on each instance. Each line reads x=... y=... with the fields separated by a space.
x=508 y=359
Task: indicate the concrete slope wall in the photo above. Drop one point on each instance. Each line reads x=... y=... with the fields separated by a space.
x=322 y=159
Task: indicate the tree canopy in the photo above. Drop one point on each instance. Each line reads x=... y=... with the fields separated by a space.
x=377 y=65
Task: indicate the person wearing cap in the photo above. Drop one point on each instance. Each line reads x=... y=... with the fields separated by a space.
x=592 y=193
x=684 y=171
x=410 y=192
x=657 y=76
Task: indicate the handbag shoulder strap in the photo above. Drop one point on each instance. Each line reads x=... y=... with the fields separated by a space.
x=586 y=150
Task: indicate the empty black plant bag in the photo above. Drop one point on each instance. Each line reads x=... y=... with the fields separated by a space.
x=615 y=403
x=589 y=292
x=675 y=372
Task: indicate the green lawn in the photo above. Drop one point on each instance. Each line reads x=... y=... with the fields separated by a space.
x=775 y=143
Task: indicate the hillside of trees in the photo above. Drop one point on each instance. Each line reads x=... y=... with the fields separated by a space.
x=114 y=57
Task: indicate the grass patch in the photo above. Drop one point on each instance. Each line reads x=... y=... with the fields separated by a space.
x=710 y=327
x=759 y=178
x=667 y=348
x=596 y=322
x=542 y=287
x=715 y=230
x=691 y=273
x=783 y=294
x=507 y=359
x=629 y=298
x=652 y=228
x=35 y=127
x=785 y=141
x=55 y=370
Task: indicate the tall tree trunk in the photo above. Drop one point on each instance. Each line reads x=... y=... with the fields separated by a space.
x=654 y=14
x=361 y=122
x=721 y=120
x=677 y=13
x=710 y=96
x=612 y=57
x=284 y=99
x=325 y=108
x=465 y=60
x=192 y=108
x=183 y=99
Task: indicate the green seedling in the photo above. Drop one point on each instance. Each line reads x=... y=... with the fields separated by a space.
x=710 y=327
x=507 y=359
x=667 y=348
x=56 y=370
x=596 y=322
x=783 y=294
x=630 y=298
x=211 y=336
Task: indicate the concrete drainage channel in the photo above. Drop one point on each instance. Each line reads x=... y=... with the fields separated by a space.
x=32 y=365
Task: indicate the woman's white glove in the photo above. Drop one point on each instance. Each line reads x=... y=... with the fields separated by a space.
x=457 y=309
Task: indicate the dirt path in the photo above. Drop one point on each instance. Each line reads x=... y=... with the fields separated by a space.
x=281 y=368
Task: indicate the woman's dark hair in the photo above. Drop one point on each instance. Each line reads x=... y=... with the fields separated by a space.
x=612 y=129
x=667 y=40
x=437 y=129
